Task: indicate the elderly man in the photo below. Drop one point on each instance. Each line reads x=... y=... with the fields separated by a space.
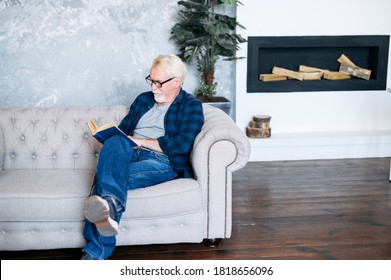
x=163 y=123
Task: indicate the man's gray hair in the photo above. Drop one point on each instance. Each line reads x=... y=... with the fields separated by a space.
x=171 y=64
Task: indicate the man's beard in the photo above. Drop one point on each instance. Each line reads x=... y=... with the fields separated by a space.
x=159 y=96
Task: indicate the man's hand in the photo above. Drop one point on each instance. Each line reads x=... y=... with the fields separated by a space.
x=151 y=144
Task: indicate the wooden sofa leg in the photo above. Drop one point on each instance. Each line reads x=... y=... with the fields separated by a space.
x=212 y=242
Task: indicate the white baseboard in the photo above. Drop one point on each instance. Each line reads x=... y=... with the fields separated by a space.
x=336 y=145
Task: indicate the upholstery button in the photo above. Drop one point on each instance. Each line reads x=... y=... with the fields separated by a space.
x=55 y=121
x=75 y=155
x=85 y=135
x=33 y=156
x=22 y=137
x=54 y=156
x=43 y=137
x=12 y=155
x=65 y=137
x=96 y=154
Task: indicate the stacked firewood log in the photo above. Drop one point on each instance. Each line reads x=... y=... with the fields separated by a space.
x=346 y=70
x=259 y=127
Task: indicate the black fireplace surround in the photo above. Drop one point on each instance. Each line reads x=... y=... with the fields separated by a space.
x=369 y=52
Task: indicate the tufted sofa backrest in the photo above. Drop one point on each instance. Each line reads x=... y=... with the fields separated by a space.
x=52 y=138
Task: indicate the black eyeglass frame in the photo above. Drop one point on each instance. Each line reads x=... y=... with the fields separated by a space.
x=157 y=83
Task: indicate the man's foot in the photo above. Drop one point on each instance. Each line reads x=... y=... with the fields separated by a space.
x=97 y=211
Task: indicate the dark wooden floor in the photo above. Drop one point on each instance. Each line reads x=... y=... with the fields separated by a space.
x=324 y=209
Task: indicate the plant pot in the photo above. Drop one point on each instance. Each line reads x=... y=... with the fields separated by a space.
x=217 y=101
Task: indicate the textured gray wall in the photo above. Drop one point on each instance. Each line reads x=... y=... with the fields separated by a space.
x=86 y=52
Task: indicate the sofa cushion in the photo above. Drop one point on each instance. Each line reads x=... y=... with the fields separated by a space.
x=168 y=199
x=59 y=195
x=43 y=195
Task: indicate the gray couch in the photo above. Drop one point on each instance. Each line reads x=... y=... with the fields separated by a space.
x=47 y=162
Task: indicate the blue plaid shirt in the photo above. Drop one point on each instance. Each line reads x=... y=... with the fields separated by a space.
x=182 y=123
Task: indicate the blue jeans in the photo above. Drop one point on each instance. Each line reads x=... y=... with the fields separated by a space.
x=122 y=168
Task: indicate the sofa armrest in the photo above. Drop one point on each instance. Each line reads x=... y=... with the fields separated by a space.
x=219 y=149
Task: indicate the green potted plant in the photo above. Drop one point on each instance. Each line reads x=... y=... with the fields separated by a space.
x=203 y=36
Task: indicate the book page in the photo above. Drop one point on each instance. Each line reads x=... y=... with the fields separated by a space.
x=106 y=126
x=92 y=127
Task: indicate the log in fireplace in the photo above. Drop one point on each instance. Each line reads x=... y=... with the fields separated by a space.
x=369 y=52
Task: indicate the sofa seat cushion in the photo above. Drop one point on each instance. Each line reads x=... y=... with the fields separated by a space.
x=59 y=195
x=43 y=195
x=168 y=199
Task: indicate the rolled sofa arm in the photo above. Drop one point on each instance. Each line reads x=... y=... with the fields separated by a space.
x=219 y=149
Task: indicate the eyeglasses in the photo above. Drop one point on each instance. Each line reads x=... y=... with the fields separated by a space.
x=157 y=83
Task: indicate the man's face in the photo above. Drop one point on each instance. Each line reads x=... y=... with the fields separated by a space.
x=168 y=91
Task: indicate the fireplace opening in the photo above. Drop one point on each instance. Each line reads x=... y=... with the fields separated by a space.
x=369 y=52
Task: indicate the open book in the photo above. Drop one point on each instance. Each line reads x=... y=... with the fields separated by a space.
x=106 y=131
